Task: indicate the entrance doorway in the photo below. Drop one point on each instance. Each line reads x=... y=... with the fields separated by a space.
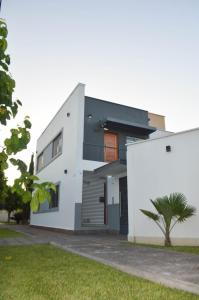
x=123 y=205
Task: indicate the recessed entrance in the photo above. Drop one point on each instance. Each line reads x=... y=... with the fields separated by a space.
x=123 y=205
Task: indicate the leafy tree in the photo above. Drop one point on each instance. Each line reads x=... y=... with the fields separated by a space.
x=3 y=187
x=171 y=210
x=26 y=206
x=19 y=137
x=12 y=202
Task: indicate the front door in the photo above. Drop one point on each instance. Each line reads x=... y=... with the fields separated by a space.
x=123 y=205
x=110 y=146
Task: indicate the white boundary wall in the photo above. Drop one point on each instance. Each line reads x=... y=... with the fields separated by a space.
x=70 y=159
x=153 y=172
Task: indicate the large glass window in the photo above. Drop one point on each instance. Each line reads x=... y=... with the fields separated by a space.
x=57 y=145
x=53 y=149
x=54 y=203
x=40 y=161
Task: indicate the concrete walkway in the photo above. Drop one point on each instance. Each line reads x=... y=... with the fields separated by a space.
x=173 y=269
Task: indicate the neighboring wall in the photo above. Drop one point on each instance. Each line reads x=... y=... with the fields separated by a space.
x=159 y=133
x=157 y=121
x=153 y=172
x=99 y=111
x=70 y=160
x=3 y=216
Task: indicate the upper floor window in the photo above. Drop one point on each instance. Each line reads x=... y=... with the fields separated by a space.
x=40 y=161
x=51 y=151
x=57 y=145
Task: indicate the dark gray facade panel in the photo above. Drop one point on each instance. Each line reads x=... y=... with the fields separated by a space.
x=92 y=211
x=99 y=111
x=114 y=217
x=78 y=213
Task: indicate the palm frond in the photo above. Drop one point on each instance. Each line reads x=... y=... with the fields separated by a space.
x=150 y=214
x=163 y=207
x=188 y=212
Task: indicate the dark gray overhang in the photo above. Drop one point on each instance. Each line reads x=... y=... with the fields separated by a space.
x=111 y=169
x=126 y=125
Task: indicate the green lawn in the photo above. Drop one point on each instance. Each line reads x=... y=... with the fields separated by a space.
x=186 y=249
x=43 y=272
x=8 y=233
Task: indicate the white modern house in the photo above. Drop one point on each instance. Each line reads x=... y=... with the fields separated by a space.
x=108 y=160
x=83 y=151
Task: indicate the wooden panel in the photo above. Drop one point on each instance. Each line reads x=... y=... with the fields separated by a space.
x=110 y=146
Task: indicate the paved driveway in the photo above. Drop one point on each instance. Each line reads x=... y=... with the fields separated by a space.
x=173 y=269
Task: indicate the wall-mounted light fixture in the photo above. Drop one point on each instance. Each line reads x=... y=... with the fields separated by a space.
x=168 y=148
x=102 y=124
x=90 y=116
x=65 y=171
x=68 y=114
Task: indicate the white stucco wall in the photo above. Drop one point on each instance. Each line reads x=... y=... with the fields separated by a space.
x=91 y=165
x=159 y=133
x=153 y=172
x=70 y=159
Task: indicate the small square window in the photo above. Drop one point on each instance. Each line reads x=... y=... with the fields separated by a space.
x=168 y=148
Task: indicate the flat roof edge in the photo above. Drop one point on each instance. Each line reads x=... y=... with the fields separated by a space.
x=152 y=113
x=163 y=137
x=107 y=101
x=79 y=84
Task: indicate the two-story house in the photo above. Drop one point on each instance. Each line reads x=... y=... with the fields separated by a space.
x=83 y=151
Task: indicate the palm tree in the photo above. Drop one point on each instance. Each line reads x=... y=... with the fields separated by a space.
x=171 y=210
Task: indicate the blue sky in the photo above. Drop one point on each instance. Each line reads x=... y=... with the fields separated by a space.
x=140 y=53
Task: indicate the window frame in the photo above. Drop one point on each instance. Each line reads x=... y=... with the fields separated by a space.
x=50 y=209
x=53 y=141
x=41 y=155
x=54 y=208
x=43 y=150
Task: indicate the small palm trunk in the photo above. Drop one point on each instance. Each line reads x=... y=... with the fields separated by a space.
x=167 y=241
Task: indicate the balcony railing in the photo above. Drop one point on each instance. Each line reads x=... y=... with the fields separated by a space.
x=99 y=153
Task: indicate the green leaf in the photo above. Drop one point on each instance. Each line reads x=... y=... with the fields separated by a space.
x=4 y=66
x=27 y=197
x=27 y=124
x=150 y=214
x=3 y=31
x=22 y=167
x=33 y=177
x=7 y=59
x=3 y=161
x=19 y=102
x=3 y=44
x=34 y=204
x=14 y=109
